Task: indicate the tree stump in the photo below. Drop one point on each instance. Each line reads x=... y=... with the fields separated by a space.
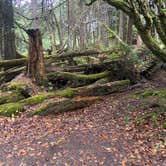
x=35 y=67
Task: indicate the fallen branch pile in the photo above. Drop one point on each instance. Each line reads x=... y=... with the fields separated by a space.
x=72 y=87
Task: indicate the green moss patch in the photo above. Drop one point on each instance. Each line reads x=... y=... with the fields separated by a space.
x=156 y=101
x=157 y=93
x=10 y=96
x=69 y=92
x=13 y=85
x=65 y=105
x=11 y=109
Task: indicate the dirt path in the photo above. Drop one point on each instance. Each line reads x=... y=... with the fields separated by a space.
x=103 y=134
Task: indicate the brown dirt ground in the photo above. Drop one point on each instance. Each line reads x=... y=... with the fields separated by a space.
x=103 y=134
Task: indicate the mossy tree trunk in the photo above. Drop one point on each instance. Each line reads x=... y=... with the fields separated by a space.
x=35 y=66
x=145 y=18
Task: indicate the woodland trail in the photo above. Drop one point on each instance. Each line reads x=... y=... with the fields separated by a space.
x=103 y=134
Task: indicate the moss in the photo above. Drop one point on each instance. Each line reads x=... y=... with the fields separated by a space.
x=14 y=108
x=10 y=96
x=158 y=93
x=65 y=105
x=155 y=99
x=164 y=125
x=81 y=77
x=9 y=109
x=34 y=99
x=69 y=92
x=13 y=85
x=122 y=82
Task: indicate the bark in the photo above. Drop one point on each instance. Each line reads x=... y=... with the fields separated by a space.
x=82 y=53
x=7 y=36
x=65 y=105
x=129 y=31
x=8 y=75
x=145 y=26
x=75 y=79
x=13 y=63
x=96 y=89
x=35 y=66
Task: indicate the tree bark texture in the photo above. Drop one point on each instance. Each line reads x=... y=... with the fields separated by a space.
x=7 y=37
x=35 y=66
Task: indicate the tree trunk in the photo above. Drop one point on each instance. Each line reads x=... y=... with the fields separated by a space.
x=7 y=37
x=35 y=66
x=129 y=31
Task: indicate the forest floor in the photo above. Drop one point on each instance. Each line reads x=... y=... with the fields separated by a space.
x=108 y=133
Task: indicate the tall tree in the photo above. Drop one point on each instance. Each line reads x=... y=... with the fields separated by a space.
x=7 y=36
x=146 y=15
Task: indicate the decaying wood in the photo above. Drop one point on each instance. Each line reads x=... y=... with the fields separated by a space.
x=8 y=75
x=55 y=107
x=82 y=53
x=35 y=67
x=99 y=89
x=75 y=79
x=13 y=62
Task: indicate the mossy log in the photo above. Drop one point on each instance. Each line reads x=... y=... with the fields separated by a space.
x=11 y=107
x=10 y=96
x=95 y=89
x=13 y=62
x=9 y=74
x=75 y=79
x=65 y=105
x=82 y=53
x=14 y=91
x=55 y=107
x=14 y=108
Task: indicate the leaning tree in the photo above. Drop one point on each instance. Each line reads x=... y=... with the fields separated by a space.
x=148 y=16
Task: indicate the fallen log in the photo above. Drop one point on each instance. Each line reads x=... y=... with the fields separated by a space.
x=8 y=75
x=15 y=91
x=95 y=89
x=13 y=62
x=75 y=79
x=55 y=107
x=10 y=96
x=83 y=53
x=65 y=105
x=13 y=108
